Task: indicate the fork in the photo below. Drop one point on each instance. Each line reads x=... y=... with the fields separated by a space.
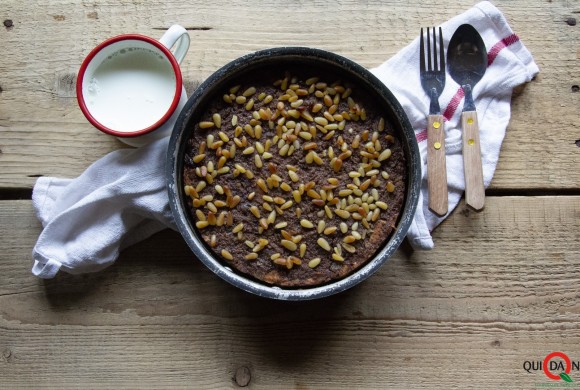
x=433 y=81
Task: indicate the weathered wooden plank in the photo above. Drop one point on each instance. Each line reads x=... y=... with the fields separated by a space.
x=42 y=131
x=346 y=354
x=499 y=289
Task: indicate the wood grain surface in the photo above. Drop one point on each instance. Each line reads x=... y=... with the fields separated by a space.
x=501 y=288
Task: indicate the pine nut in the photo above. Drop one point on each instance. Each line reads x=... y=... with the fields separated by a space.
x=323 y=244
x=289 y=245
x=306 y=224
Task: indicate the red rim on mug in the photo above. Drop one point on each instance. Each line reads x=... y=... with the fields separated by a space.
x=97 y=50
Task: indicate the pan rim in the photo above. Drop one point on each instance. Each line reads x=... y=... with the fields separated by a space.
x=180 y=135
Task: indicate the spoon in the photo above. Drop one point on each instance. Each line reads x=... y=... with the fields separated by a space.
x=467 y=62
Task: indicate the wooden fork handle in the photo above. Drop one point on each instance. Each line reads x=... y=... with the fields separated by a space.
x=436 y=166
x=472 y=168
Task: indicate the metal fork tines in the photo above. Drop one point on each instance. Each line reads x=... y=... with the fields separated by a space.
x=432 y=73
x=433 y=77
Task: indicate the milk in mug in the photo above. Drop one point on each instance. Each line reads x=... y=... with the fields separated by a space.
x=131 y=89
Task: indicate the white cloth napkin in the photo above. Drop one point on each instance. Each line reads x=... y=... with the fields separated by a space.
x=118 y=201
x=121 y=199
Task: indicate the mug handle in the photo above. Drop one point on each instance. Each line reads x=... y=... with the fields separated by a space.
x=176 y=36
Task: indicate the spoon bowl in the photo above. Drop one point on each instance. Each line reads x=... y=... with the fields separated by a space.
x=466 y=56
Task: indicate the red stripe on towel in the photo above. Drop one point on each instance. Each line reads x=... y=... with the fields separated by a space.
x=494 y=51
x=421 y=136
x=453 y=104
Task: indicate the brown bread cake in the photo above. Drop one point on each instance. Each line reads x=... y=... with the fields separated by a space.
x=296 y=180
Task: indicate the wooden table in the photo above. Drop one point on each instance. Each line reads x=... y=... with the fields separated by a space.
x=500 y=289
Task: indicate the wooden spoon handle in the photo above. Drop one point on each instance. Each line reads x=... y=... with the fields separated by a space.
x=436 y=167
x=474 y=189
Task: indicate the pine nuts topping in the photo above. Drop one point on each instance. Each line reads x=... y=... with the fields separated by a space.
x=201 y=224
x=206 y=125
x=281 y=225
x=239 y=227
x=291 y=246
x=337 y=257
x=381 y=205
x=319 y=120
x=323 y=244
x=306 y=224
x=198 y=158
x=342 y=214
x=314 y=262
x=284 y=136
x=330 y=230
x=251 y=256
x=385 y=154
x=249 y=92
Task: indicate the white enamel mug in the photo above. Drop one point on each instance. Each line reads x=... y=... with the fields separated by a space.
x=130 y=86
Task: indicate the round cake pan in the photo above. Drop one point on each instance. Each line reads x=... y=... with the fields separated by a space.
x=282 y=58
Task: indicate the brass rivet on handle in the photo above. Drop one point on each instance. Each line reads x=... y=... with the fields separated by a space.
x=437 y=145
x=436 y=125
